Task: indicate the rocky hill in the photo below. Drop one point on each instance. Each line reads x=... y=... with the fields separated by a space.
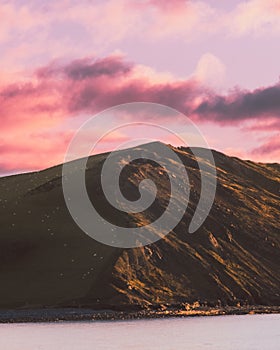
x=47 y=261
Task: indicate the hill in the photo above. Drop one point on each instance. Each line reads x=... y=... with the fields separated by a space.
x=47 y=261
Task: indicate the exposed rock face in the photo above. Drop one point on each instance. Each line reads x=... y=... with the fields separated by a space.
x=46 y=260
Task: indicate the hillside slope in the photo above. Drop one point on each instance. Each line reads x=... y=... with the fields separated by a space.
x=46 y=260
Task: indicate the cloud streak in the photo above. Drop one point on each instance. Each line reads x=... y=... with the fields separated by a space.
x=258 y=17
x=70 y=28
x=271 y=146
x=88 y=85
x=240 y=105
x=32 y=113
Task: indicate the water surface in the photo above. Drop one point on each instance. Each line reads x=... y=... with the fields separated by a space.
x=248 y=332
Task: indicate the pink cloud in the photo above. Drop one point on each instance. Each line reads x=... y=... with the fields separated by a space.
x=55 y=28
x=90 y=85
x=167 y=5
x=32 y=113
x=271 y=147
x=256 y=17
x=270 y=124
x=33 y=151
x=262 y=103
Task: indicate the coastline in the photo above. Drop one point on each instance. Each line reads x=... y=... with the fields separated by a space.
x=87 y=314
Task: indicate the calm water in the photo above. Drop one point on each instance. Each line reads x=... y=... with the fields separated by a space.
x=224 y=332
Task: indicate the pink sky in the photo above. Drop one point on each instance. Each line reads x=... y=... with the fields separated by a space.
x=62 y=62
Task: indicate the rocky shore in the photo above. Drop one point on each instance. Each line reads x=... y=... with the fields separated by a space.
x=81 y=314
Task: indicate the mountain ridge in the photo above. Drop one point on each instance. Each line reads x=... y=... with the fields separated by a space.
x=47 y=261
x=273 y=164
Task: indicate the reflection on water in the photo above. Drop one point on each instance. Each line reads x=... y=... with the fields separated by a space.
x=249 y=332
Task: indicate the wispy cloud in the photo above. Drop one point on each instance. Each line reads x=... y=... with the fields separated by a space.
x=262 y=103
x=58 y=27
x=271 y=146
x=257 y=17
x=32 y=113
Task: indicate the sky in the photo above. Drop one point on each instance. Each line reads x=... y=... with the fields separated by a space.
x=62 y=62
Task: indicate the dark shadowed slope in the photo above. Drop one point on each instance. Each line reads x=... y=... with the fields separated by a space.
x=46 y=260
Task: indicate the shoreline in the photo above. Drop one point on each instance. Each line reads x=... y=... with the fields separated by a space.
x=87 y=314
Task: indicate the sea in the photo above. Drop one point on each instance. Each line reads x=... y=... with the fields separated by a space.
x=248 y=332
